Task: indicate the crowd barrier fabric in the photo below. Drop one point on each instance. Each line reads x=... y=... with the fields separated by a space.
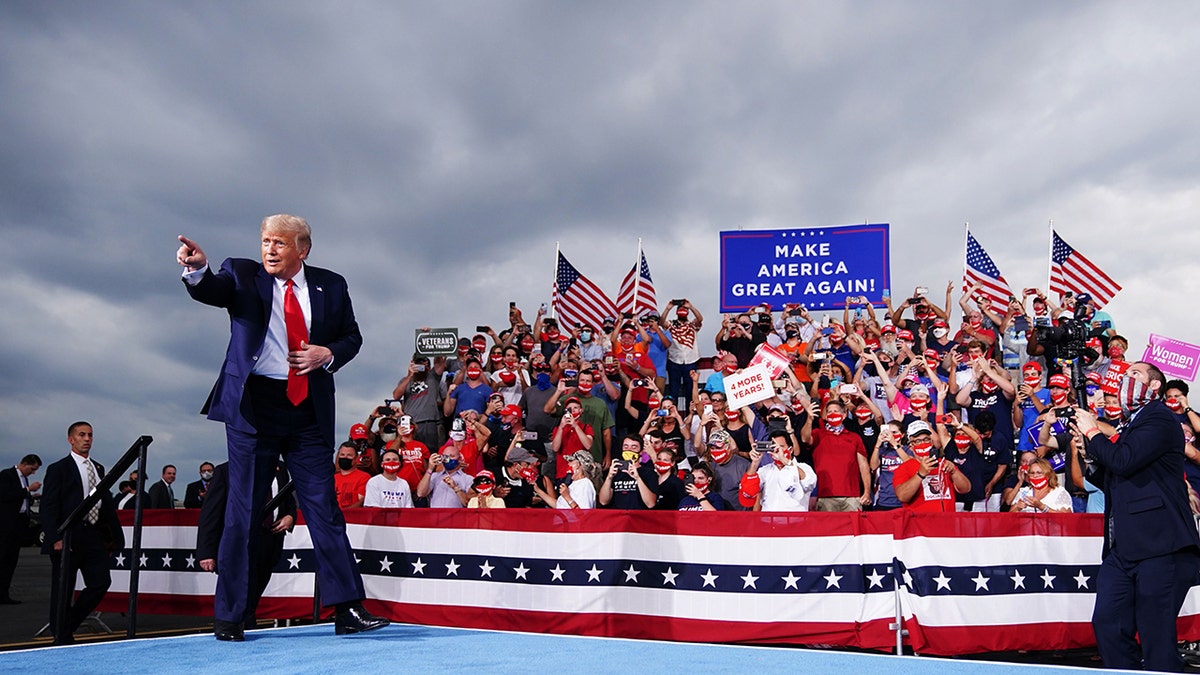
x=968 y=583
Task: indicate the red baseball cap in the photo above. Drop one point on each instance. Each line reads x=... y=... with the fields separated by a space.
x=511 y=409
x=888 y=328
x=1061 y=381
x=358 y=432
x=904 y=334
x=1032 y=365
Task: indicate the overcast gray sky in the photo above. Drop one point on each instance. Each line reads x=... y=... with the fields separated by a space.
x=441 y=149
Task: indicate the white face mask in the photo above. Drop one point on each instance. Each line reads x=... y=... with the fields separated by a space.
x=939 y=333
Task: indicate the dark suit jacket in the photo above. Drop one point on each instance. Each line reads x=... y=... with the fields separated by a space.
x=1146 y=507
x=212 y=513
x=193 y=498
x=245 y=290
x=62 y=491
x=159 y=497
x=12 y=496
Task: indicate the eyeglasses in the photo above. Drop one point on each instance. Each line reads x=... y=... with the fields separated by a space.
x=717 y=399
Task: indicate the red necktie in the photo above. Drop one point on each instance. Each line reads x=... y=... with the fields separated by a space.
x=293 y=317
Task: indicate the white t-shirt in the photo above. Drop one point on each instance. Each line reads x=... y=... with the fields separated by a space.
x=388 y=494
x=583 y=492
x=783 y=489
x=1058 y=498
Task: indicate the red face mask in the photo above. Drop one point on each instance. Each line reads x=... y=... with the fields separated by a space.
x=863 y=416
x=1039 y=482
x=835 y=419
x=988 y=386
x=719 y=453
x=391 y=466
x=1115 y=351
x=529 y=473
x=1112 y=412
x=963 y=442
x=701 y=485
x=922 y=448
x=1032 y=380
x=731 y=415
x=527 y=344
x=663 y=467
x=919 y=403
x=485 y=489
x=496 y=358
x=1174 y=404
x=474 y=372
x=1058 y=398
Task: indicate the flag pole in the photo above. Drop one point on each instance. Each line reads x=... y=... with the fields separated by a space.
x=554 y=295
x=637 y=279
x=1050 y=257
x=966 y=240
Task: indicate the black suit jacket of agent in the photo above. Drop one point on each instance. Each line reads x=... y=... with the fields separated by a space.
x=212 y=513
x=12 y=495
x=192 y=498
x=62 y=491
x=160 y=498
x=1146 y=508
x=244 y=289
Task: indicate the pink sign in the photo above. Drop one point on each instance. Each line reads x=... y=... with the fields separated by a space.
x=775 y=360
x=1174 y=357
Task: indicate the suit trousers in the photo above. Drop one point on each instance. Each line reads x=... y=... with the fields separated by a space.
x=1138 y=602
x=10 y=550
x=88 y=556
x=291 y=431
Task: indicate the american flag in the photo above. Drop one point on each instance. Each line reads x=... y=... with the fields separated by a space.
x=1071 y=271
x=980 y=269
x=577 y=300
x=643 y=301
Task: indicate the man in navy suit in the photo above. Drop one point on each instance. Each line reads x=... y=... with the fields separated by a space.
x=1151 y=548
x=291 y=327
x=15 y=492
x=94 y=538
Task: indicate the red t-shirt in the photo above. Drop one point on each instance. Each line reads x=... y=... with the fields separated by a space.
x=414 y=457
x=349 y=486
x=936 y=493
x=471 y=459
x=570 y=445
x=836 y=463
x=633 y=359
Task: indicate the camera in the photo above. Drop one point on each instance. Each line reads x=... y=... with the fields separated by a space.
x=821 y=356
x=946 y=420
x=565 y=480
x=679 y=302
x=383 y=411
x=776 y=424
x=689 y=479
x=639 y=383
x=1066 y=413
x=827 y=330
x=481 y=329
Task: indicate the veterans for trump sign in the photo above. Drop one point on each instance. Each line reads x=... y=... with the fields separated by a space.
x=816 y=267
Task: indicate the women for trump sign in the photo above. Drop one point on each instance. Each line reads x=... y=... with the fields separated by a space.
x=816 y=267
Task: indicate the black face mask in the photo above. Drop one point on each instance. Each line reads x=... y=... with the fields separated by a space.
x=345 y=463
x=792 y=334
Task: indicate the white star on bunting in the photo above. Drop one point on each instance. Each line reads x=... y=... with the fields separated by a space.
x=834 y=579
x=1018 y=580
x=385 y=565
x=521 y=571
x=790 y=581
x=942 y=580
x=1047 y=580
x=875 y=578
x=669 y=577
x=981 y=582
x=294 y=562
x=419 y=567
x=166 y=561
x=452 y=568
x=1082 y=580
x=594 y=573
x=485 y=570
x=632 y=573
x=556 y=574
x=749 y=580
x=120 y=560
x=191 y=561
x=709 y=578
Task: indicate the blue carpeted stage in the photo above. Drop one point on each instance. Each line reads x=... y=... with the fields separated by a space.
x=410 y=648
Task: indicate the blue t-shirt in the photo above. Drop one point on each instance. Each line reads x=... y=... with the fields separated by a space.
x=885 y=492
x=657 y=351
x=1029 y=416
x=1001 y=407
x=715 y=382
x=690 y=503
x=471 y=398
x=971 y=464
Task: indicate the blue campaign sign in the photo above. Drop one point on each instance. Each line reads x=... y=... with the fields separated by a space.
x=816 y=267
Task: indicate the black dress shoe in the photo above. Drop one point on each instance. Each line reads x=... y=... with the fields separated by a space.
x=354 y=619
x=228 y=631
x=64 y=640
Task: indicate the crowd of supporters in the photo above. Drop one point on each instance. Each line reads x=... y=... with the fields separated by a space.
x=903 y=407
